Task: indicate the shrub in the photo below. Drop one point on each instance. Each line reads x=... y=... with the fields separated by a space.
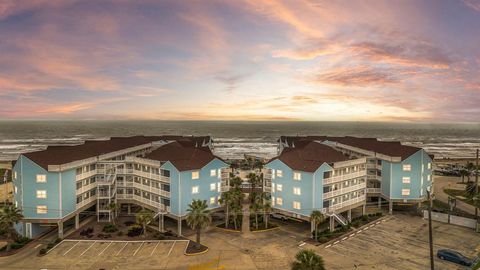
x=129 y=223
x=364 y=218
x=120 y=233
x=110 y=228
x=42 y=251
x=159 y=236
x=134 y=230
x=58 y=240
x=50 y=245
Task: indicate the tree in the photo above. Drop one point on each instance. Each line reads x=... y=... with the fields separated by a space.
x=235 y=208
x=113 y=209
x=198 y=216
x=469 y=167
x=463 y=173
x=254 y=181
x=9 y=216
x=144 y=217
x=226 y=200
x=236 y=182
x=267 y=209
x=308 y=260
x=255 y=207
x=317 y=217
x=470 y=190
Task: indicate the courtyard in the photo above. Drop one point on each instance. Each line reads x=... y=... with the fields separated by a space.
x=394 y=242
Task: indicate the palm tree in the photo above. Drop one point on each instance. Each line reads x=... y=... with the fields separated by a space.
x=9 y=216
x=316 y=217
x=308 y=260
x=254 y=180
x=256 y=207
x=113 y=209
x=463 y=173
x=235 y=208
x=236 y=182
x=469 y=167
x=267 y=209
x=144 y=217
x=198 y=216
x=470 y=190
x=226 y=200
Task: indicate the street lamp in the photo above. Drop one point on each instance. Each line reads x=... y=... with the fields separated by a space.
x=430 y=236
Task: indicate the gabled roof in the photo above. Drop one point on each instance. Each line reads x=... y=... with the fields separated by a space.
x=183 y=156
x=308 y=156
x=388 y=148
x=57 y=155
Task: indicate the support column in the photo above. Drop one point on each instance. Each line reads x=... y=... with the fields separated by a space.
x=379 y=202
x=60 y=229
x=129 y=209
x=364 y=209
x=179 y=230
x=349 y=215
x=390 y=207
x=77 y=221
x=332 y=224
x=312 y=228
x=160 y=223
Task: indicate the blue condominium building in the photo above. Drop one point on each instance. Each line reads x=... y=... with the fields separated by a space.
x=161 y=173
x=337 y=174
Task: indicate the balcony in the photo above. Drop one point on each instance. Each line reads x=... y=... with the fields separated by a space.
x=374 y=177
x=344 y=177
x=343 y=191
x=151 y=189
x=86 y=175
x=374 y=190
x=105 y=194
x=151 y=176
x=224 y=188
x=86 y=201
x=86 y=188
x=341 y=205
x=374 y=166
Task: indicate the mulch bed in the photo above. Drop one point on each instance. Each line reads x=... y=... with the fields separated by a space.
x=194 y=248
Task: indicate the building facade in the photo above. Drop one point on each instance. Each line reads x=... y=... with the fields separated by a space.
x=61 y=184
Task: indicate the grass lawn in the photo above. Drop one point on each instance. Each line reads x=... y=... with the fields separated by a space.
x=459 y=194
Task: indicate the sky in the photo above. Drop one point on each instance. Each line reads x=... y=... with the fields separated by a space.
x=406 y=60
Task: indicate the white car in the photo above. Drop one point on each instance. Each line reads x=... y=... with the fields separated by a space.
x=278 y=216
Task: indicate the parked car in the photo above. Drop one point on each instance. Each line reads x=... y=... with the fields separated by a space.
x=453 y=256
x=278 y=216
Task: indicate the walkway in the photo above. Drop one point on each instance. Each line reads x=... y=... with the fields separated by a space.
x=246 y=219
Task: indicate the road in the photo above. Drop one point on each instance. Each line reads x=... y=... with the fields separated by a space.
x=450 y=182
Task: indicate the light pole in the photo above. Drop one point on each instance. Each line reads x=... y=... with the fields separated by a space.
x=476 y=183
x=5 y=185
x=430 y=235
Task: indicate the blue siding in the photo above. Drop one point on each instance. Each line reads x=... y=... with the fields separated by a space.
x=319 y=185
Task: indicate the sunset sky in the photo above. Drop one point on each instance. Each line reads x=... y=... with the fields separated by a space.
x=241 y=60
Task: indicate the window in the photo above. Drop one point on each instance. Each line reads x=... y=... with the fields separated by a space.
x=406 y=180
x=296 y=205
x=407 y=167
x=212 y=200
x=42 y=209
x=296 y=191
x=213 y=172
x=429 y=165
x=195 y=175
x=279 y=201
x=195 y=190
x=279 y=187
x=212 y=187
x=41 y=178
x=41 y=194
x=279 y=173
x=297 y=176
x=405 y=192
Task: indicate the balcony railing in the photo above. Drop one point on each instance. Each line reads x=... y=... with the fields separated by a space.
x=86 y=175
x=374 y=177
x=344 y=190
x=344 y=177
x=337 y=206
x=86 y=201
x=374 y=166
x=151 y=176
x=374 y=190
x=86 y=188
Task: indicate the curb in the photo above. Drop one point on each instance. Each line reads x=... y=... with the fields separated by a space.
x=266 y=230
x=228 y=230
x=195 y=254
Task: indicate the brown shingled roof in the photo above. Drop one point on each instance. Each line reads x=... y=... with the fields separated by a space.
x=183 y=156
x=57 y=155
x=308 y=156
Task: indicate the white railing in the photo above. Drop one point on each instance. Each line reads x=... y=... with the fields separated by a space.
x=344 y=190
x=374 y=177
x=374 y=166
x=85 y=175
x=86 y=201
x=151 y=189
x=374 y=190
x=151 y=176
x=155 y=204
x=86 y=188
x=344 y=177
x=337 y=206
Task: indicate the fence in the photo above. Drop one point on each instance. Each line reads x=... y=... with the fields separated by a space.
x=452 y=219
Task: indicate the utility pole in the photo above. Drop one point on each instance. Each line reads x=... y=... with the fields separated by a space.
x=430 y=235
x=476 y=184
x=5 y=185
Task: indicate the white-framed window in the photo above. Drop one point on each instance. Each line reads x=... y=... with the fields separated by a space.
x=273 y=201
x=212 y=200
x=279 y=187
x=296 y=191
x=429 y=165
x=41 y=178
x=296 y=205
x=213 y=187
x=405 y=192
x=279 y=201
x=195 y=175
x=347 y=183
x=41 y=194
x=429 y=177
x=406 y=180
x=213 y=172
x=407 y=167
x=42 y=209
x=279 y=173
x=273 y=187
x=195 y=190
x=297 y=176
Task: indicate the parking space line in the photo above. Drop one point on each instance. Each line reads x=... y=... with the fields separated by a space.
x=171 y=248
x=38 y=246
x=118 y=253
x=343 y=239
x=88 y=248
x=328 y=246
x=138 y=248
x=155 y=248
x=104 y=249
x=71 y=248
x=336 y=242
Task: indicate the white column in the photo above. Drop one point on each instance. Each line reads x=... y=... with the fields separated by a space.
x=379 y=202
x=390 y=207
x=129 y=209
x=179 y=230
x=349 y=215
x=77 y=221
x=332 y=224
x=60 y=229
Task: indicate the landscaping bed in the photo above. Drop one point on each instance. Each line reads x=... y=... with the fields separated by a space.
x=193 y=248
x=442 y=207
x=459 y=194
x=231 y=226
x=17 y=245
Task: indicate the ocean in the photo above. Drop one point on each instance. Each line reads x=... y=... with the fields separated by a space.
x=233 y=139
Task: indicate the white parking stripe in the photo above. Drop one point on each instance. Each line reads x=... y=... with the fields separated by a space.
x=170 y=251
x=154 y=248
x=39 y=245
x=88 y=248
x=138 y=248
x=328 y=246
x=336 y=242
x=343 y=239
x=126 y=243
x=70 y=248
x=104 y=249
